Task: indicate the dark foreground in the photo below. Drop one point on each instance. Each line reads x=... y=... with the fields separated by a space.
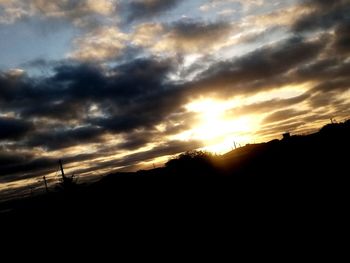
x=311 y=170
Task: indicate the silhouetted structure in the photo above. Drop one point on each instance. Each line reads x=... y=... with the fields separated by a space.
x=62 y=171
x=67 y=183
x=45 y=182
x=286 y=136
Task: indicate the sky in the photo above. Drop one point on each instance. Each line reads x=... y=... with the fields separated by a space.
x=122 y=85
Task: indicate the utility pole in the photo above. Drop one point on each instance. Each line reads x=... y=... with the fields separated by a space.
x=67 y=182
x=47 y=189
x=61 y=166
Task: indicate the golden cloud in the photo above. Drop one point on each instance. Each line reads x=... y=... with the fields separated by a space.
x=100 y=44
x=146 y=34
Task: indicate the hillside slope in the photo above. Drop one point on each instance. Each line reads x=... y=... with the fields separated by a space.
x=314 y=165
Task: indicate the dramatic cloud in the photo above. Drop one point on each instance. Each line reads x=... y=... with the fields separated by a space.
x=129 y=83
x=262 y=69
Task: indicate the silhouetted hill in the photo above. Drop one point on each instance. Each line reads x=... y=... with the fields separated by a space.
x=319 y=155
x=197 y=180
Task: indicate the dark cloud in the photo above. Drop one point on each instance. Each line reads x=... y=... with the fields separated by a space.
x=141 y=9
x=323 y=4
x=134 y=88
x=21 y=168
x=324 y=100
x=188 y=36
x=55 y=110
x=192 y=30
x=331 y=78
x=145 y=112
x=126 y=82
x=11 y=128
x=331 y=75
x=337 y=85
x=10 y=87
x=318 y=69
x=283 y=115
x=259 y=69
x=136 y=140
x=342 y=37
x=58 y=139
x=324 y=15
x=130 y=98
x=139 y=97
x=7 y=158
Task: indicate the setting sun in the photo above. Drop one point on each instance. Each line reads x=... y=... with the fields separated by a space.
x=215 y=129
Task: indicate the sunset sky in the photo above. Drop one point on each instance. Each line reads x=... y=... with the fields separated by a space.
x=114 y=84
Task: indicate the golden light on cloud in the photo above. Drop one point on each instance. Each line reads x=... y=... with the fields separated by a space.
x=103 y=7
x=145 y=34
x=225 y=124
x=16 y=72
x=101 y=44
x=215 y=129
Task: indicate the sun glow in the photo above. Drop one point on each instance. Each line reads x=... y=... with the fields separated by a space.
x=218 y=132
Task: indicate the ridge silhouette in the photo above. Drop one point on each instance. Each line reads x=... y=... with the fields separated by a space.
x=196 y=179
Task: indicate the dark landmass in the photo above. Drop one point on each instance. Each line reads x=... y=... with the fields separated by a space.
x=315 y=165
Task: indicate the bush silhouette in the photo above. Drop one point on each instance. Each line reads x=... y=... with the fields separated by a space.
x=191 y=163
